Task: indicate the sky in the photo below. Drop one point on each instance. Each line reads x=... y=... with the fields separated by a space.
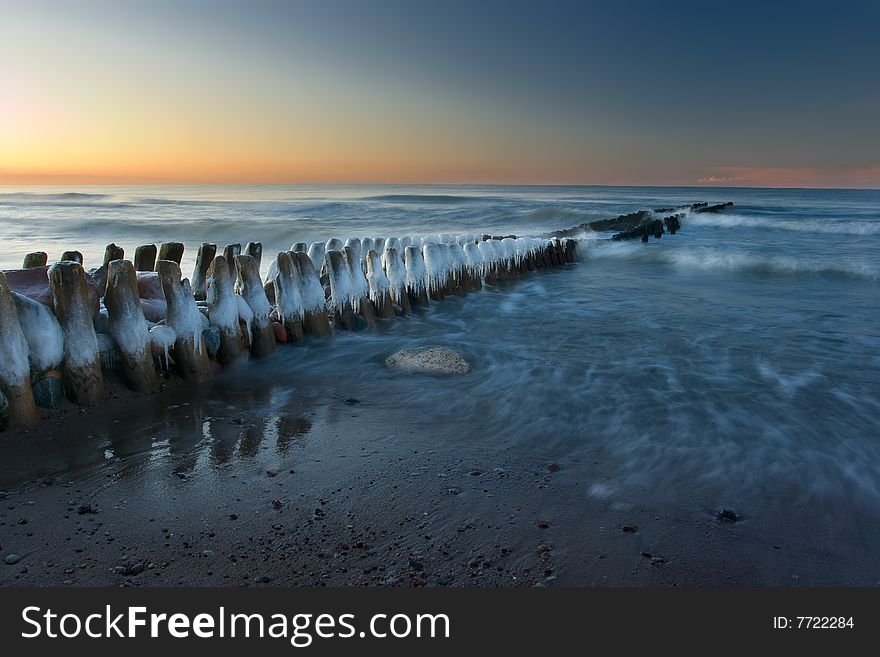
x=776 y=94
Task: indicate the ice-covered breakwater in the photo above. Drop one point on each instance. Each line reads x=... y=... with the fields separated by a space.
x=64 y=328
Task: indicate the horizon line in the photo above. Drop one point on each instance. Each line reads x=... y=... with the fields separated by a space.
x=427 y=184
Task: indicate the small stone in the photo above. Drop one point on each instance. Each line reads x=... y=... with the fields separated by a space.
x=553 y=467
x=48 y=392
x=211 y=336
x=86 y=508
x=12 y=559
x=415 y=565
x=276 y=504
x=351 y=401
x=628 y=529
x=271 y=472
x=428 y=360
x=137 y=569
x=543 y=525
x=233 y=516
x=727 y=515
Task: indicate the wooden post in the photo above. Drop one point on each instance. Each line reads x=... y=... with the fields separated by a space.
x=71 y=256
x=288 y=301
x=145 y=257
x=416 y=276
x=380 y=286
x=263 y=340
x=360 y=288
x=35 y=259
x=255 y=250
x=15 y=375
x=229 y=252
x=128 y=326
x=223 y=310
x=301 y=247
x=435 y=261
x=83 y=381
x=340 y=289
x=474 y=260
x=113 y=252
x=396 y=273
x=315 y=321
x=203 y=260
x=172 y=251
x=182 y=315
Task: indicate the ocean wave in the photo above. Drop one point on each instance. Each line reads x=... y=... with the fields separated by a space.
x=715 y=260
x=425 y=198
x=18 y=198
x=829 y=226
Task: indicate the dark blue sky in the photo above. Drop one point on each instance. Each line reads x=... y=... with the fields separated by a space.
x=776 y=93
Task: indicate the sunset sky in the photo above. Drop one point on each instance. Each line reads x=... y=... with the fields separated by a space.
x=686 y=93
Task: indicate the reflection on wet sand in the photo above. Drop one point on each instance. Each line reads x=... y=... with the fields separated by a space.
x=187 y=428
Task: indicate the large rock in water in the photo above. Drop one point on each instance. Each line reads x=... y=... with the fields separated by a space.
x=428 y=360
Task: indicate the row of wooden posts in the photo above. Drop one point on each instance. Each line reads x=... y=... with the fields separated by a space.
x=298 y=301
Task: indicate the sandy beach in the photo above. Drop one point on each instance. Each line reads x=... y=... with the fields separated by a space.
x=339 y=490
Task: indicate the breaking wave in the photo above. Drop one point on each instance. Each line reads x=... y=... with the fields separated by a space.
x=704 y=259
x=828 y=226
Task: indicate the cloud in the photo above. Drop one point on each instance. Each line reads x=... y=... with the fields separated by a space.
x=720 y=179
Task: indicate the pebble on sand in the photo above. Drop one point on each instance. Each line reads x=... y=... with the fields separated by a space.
x=12 y=559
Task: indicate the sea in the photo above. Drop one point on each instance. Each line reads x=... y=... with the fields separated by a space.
x=734 y=365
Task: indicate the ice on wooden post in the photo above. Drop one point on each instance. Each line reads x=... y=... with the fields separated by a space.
x=229 y=252
x=299 y=247
x=437 y=269
x=367 y=245
x=183 y=316
x=288 y=300
x=380 y=286
x=204 y=258
x=128 y=326
x=71 y=256
x=473 y=265
x=355 y=244
x=83 y=381
x=393 y=243
x=255 y=251
x=263 y=336
x=316 y=255
x=360 y=288
x=416 y=276
x=113 y=252
x=43 y=333
x=396 y=274
x=333 y=244
x=35 y=259
x=223 y=310
x=145 y=257
x=171 y=251
x=340 y=289
x=488 y=253
x=15 y=376
x=315 y=320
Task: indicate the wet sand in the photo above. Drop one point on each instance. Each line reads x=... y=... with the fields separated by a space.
x=232 y=484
